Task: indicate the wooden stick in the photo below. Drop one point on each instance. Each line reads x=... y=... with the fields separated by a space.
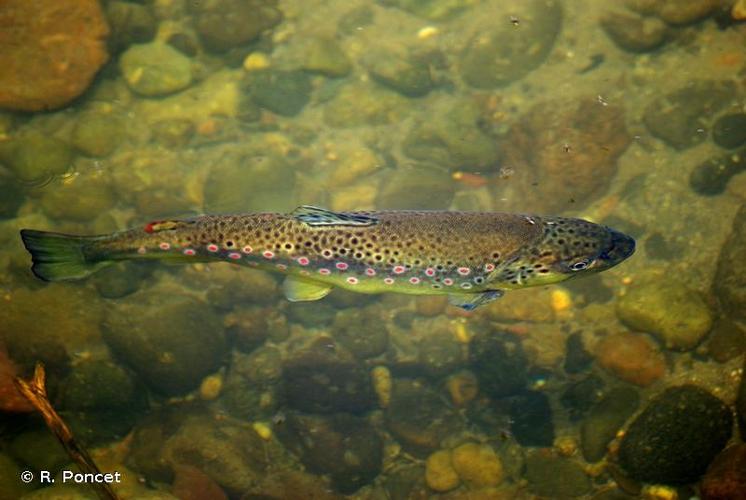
x=35 y=391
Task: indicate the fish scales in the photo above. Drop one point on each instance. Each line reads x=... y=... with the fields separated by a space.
x=417 y=252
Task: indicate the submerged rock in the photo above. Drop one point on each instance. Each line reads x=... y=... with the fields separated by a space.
x=416 y=187
x=172 y=341
x=324 y=377
x=97 y=134
x=283 y=92
x=727 y=340
x=419 y=417
x=361 y=331
x=13 y=196
x=130 y=23
x=35 y=158
x=501 y=53
x=668 y=309
x=676 y=437
x=680 y=117
x=50 y=51
x=729 y=130
x=729 y=285
x=580 y=396
x=555 y=477
x=679 y=12
x=347 y=448
x=359 y=104
x=531 y=417
x=634 y=33
x=725 y=478
x=605 y=420
x=711 y=177
x=408 y=75
x=325 y=56
x=155 y=69
x=631 y=357
x=500 y=364
x=434 y=10
x=82 y=199
x=556 y=177
x=225 y=24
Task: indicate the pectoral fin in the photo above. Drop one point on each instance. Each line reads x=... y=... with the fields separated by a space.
x=315 y=216
x=470 y=301
x=299 y=290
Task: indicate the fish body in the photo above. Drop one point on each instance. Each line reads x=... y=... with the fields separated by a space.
x=472 y=256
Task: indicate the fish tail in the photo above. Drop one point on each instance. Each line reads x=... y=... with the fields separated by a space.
x=60 y=257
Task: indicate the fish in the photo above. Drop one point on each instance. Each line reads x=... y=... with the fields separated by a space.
x=473 y=257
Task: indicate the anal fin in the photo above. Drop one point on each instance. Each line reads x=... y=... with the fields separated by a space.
x=470 y=301
x=300 y=290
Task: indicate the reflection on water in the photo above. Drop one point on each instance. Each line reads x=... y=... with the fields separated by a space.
x=201 y=381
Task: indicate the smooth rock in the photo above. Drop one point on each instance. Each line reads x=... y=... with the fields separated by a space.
x=172 y=341
x=729 y=285
x=35 y=158
x=680 y=12
x=225 y=24
x=725 y=478
x=439 y=472
x=604 y=421
x=556 y=178
x=155 y=69
x=556 y=477
x=323 y=377
x=676 y=437
x=97 y=134
x=283 y=92
x=668 y=309
x=82 y=199
x=711 y=177
x=325 y=56
x=634 y=33
x=631 y=357
x=347 y=448
x=729 y=130
x=359 y=104
x=501 y=53
x=680 y=118
x=13 y=196
x=727 y=340
x=50 y=50
x=499 y=362
x=531 y=417
x=416 y=187
x=408 y=75
x=419 y=417
x=577 y=358
x=580 y=396
x=477 y=465
x=130 y=23
x=361 y=331
x=452 y=139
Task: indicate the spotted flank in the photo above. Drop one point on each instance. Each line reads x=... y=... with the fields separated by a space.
x=470 y=256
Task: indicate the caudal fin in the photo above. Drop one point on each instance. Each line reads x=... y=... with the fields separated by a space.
x=59 y=257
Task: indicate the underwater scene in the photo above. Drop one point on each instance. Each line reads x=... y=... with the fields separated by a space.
x=372 y=249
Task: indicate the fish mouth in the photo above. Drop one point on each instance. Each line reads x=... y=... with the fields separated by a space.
x=620 y=248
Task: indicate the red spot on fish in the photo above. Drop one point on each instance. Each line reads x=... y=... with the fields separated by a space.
x=342 y=266
x=489 y=267
x=247 y=249
x=399 y=269
x=414 y=280
x=189 y=251
x=149 y=226
x=268 y=254
x=164 y=246
x=388 y=281
x=352 y=280
x=303 y=261
x=430 y=271
x=324 y=271
x=234 y=255
x=448 y=282
x=212 y=247
x=370 y=271
x=463 y=271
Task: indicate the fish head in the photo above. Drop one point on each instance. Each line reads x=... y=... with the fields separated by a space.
x=568 y=248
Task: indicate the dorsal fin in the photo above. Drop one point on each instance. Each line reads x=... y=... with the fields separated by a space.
x=315 y=216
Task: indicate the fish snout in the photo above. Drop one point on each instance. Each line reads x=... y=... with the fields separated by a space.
x=621 y=247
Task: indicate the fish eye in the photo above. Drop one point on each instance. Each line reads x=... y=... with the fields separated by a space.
x=580 y=265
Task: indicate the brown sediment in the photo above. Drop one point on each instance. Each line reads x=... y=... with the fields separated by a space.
x=36 y=392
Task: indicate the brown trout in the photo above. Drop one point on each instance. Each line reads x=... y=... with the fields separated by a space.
x=470 y=256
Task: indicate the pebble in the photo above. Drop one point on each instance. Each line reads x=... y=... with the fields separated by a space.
x=711 y=177
x=155 y=69
x=631 y=357
x=556 y=477
x=634 y=33
x=439 y=472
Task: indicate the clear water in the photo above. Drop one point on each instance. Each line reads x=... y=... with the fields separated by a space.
x=202 y=381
